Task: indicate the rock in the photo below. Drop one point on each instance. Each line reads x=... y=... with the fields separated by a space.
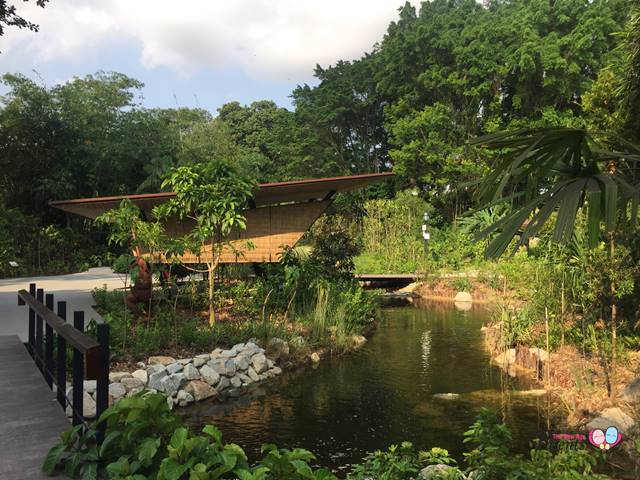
x=315 y=358
x=162 y=360
x=242 y=362
x=507 y=357
x=230 y=367
x=536 y=392
x=251 y=348
x=357 y=341
x=90 y=386
x=141 y=375
x=151 y=369
x=88 y=406
x=235 y=382
x=132 y=383
x=116 y=392
x=223 y=384
x=245 y=379
x=277 y=348
x=155 y=379
x=200 y=360
x=115 y=377
x=539 y=353
x=409 y=289
x=276 y=370
x=631 y=393
x=259 y=362
x=216 y=353
x=439 y=471
x=200 y=390
x=190 y=372
x=446 y=396
x=253 y=375
x=209 y=375
x=174 y=368
x=171 y=384
x=612 y=417
x=185 y=361
x=463 y=297
x=141 y=365
x=223 y=367
x=270 y=364
x=238 y=347
x=184 y=398
x=228 y=354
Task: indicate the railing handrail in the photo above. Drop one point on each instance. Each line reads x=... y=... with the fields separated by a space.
x=83 y=343
x=90 y=359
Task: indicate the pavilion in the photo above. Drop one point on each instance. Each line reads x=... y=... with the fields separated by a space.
x=277 y=217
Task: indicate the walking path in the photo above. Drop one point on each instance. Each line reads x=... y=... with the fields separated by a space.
x=32 y=419
x=74 y=288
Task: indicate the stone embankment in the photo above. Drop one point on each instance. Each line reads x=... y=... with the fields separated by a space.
x=189 y=380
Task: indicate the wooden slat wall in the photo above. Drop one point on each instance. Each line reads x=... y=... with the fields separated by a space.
x=269 y=230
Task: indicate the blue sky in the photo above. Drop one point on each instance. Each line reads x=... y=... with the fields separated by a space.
x=195 y=52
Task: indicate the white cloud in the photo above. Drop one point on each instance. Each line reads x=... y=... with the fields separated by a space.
x=279 y=39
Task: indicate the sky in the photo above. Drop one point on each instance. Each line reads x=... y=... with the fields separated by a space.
x=195 y=53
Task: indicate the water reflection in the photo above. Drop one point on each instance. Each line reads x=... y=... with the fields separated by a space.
x=382 y=394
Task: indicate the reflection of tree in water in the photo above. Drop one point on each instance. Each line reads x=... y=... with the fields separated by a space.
x=249 y=413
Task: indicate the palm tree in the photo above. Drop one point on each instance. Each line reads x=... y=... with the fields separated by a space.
x=561 y=170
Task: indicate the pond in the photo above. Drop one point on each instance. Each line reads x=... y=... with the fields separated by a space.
x=383 y=394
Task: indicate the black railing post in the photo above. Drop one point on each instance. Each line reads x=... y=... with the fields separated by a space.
x=102 y=392
x=39 y=298
x=32 y=321
x=78 y=374
x=48 y=344
x=61 y=362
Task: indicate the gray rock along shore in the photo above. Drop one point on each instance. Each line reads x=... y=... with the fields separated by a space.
x=189 y=380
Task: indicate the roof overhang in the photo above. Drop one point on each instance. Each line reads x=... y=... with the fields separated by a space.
x=297 y=191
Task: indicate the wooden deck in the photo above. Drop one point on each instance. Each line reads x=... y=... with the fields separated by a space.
x=30 y=418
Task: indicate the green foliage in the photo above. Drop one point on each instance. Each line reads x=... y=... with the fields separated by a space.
x=211 y=198
x=398 y=462
x=145 y=441
x=556 y=169
x=176 y=330
x=334 y=247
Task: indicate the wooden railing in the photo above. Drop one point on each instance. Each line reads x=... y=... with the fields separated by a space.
x=49 y=337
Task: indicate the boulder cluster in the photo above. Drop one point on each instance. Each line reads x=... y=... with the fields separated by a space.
x=189 y=380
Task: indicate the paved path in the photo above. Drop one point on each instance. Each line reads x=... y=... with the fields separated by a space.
x=31 y=419
x=74 y=288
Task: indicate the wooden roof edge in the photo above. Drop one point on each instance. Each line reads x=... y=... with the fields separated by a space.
x=261 y=186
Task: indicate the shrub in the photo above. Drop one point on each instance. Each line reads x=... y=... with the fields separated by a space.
x=144 y=440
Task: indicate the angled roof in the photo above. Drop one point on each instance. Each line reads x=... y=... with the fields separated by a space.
x=297 y=191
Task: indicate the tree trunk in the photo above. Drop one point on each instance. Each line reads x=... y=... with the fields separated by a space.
x=212 y=313
x=614 y=309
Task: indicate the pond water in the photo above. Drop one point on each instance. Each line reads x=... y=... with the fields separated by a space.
x=383 y=394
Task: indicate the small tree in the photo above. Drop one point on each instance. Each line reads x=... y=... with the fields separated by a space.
x=213 y=197
x=127 y=229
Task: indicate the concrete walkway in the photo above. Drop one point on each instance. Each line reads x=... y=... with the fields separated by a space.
x=75 y=289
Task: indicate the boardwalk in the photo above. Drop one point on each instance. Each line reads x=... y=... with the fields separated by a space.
x=30 y=418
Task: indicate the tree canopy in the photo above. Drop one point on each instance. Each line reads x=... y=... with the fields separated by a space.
x=439 y=76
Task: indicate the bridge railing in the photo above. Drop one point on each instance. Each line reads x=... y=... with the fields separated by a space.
x=49 y=337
